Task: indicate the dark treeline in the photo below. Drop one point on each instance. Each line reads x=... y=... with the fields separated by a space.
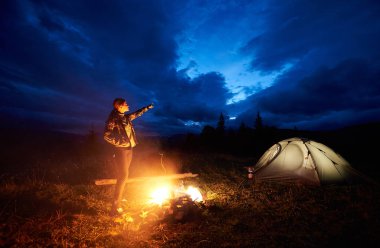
x=357 y=144
x=22 y=149
x=245 y=141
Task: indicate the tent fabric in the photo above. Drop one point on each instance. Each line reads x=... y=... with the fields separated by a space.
x=304 y=160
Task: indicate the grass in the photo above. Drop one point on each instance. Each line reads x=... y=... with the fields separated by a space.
x=47 y=207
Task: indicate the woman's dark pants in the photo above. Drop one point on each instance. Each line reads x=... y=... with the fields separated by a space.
x=123 y=158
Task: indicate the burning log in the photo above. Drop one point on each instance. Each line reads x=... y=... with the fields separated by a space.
x=183 y=209
x=140 y=179
x=179 y=203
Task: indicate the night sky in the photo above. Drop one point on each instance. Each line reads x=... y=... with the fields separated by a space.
x=305 y=64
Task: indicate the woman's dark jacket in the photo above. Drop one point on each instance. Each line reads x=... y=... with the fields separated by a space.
x=119 y=129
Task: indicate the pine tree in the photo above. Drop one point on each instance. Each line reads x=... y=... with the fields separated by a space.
x=258 y=122
x=242 y=127
x=220 y=128
x=207 y=132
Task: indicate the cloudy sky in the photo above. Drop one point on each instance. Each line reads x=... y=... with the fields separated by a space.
x=306 y=64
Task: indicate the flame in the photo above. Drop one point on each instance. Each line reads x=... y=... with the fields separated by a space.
x=194 y=194
x=160 y=195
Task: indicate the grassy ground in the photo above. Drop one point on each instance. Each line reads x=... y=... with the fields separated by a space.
x=36 y=211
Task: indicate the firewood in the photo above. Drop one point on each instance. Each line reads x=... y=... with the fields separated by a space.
x=140 y=179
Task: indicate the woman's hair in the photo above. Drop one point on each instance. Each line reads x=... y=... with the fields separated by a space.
x=117 y=102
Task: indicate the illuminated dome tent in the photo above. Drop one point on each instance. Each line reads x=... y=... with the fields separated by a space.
x=303 y=160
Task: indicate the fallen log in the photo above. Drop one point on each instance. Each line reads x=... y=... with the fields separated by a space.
x=140 y=179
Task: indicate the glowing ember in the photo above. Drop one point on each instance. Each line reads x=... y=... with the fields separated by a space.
x=194 y=194
x=160 y=195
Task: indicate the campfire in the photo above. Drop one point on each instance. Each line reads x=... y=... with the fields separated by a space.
x=178 y=202
x=165 y=193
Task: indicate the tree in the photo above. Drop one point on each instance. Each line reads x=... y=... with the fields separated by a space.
x=208 y=137
x=207 y=132
x=242 y=128
x=258 y=122
x=220 y=128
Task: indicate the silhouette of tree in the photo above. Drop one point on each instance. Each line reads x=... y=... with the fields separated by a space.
x=208 y=132
x=191 y=142
x=231 y=132
x=242 y=128
x=220 y=128
x=208 y=137
x=258 y=122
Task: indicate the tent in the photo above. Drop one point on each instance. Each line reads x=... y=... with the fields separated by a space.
x=299 y=159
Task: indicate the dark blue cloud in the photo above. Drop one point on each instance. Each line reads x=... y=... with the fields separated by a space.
x=63 y=62
x=329 y=98
x=316 y=33
x=334 y=57
x=200 y=100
